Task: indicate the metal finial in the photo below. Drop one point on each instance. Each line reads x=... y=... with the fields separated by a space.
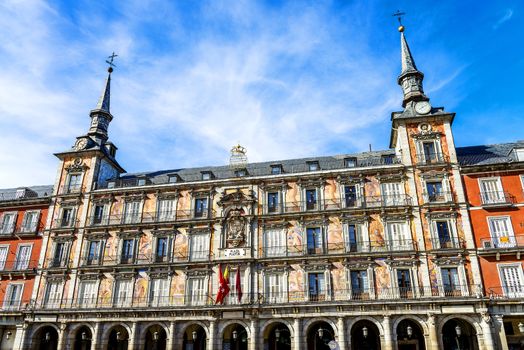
x=110 y=62
x=399 y=15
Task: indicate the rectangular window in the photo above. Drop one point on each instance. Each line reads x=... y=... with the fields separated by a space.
x=398 y=236
x=8 y=223
x=173 y=179
x=13 y=296
x=350 y=162
x=200 y=207
x=166 y=210
x=359 y=284
x=206 y=176
x=123 y=292
x=350 y=196
x=274 y=288
x=93 y=252
x=317 y=286
x=355 y=241
x=30 y=222
x=272 y=202
x=66 y=219
x=141 y=182
x=87 y=294
x=501 y=231
x=4 y=250
x=132 y=212
x=199 y=247
x=451 y=281
x=404 y=283
x=444 y=234
x=387 y=159
x=512 y=280
x=313 y=166
x=241 y=173
x=430 y=152
x=232 y=297
x=128 y=251
x=311 y=199
x=435 y=191
x=100 y=215
x=159 y=293
x=491 y=191
x=22 y=257
x=53 y=294
x=392 y=194
x=75 y=183
x=276 y=169
x=314 y=240
x=275 y=242
x=196 y=291
x=59 y=255
x=161 y=249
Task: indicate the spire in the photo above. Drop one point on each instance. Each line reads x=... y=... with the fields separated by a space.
x=105 y=98
x=408 y=63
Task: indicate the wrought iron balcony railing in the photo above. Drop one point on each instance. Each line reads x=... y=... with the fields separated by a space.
x=448 y=243
x=497 y=198
x=7 y=229
x=57 y=263
x=502 y=242
x=30 y=228
x=71 y=189
x=506 y=292
x=18 y=265
x=438 y=197
x=431 y=158
x=65 y=223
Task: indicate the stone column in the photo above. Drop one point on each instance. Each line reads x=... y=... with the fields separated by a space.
x=486 y=331
x=500 y=331
x=132 y=337
x=95 y=338
x=298 y=336
x=253 y=329
x=170 y=343
x=21 y=341
x=388 y=339
x=62 y=337
x=211 y=344
x=341 y=325
x=433 y=338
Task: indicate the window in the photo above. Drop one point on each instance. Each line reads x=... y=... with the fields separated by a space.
x=196 y=290
x=491 y=191
x=199 y=247
x=13 y=296
x=23 y=256
x=387 y=159
x=128 y=251
x=30 y=222
x=100 y=215
x=317 y=286
x=359 y=284
x=519 y=152
x=350 y=196
x=53 y=294
x=501 y=232
x=94 y=252
x=207 y=175
x=435 y=191
x=111 y=184
x=141 y=182
x=275 y=242
x=123 y=292
x=399 y=237
x=445 y=236
x=4 y=250
x=8 y=223
x=311 y=199
x=87 y=293
x=67 y=217
x=392 y=194
x=430 y=152
x=132 y=212
x=75 y=183
x=274 y=288
x=313 y=166
x=404 y=283
x=314 y=240
x=272 y=202
x=354 y=239
x=241 y=173
x=59 y=255
x=232 y=297
x=512 y=280
x=350 y=162
x=173 y=179
x=276 y=169
x=161 y=249
x=166 y=210
x=159 y=291
x=450 y=281
x=200 y=207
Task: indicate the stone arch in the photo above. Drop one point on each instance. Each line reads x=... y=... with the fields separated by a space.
x=188 y=324
x=184 y=336
x=74 y=328
x=33 y=337
x=474 y=323
x=309 y=323
x=270 y=322
x=145 y=327
x=225 y=324
x=415 y=318
x=108 y=327
x=371 y=319
x=267 y=327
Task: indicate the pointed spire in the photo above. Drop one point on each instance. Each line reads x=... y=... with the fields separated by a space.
x=105 y=98
x=408 y=63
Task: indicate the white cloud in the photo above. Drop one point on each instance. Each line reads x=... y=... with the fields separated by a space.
x=505 y=17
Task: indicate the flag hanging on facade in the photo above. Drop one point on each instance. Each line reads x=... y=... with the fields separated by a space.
x=238 y=285
x=223 y=284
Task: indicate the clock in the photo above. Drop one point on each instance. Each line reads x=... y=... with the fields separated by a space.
x=422 y=107
x=80 y=144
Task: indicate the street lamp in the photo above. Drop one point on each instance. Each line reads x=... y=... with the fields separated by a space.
x=365 y=332
x=458 y=330
x=8 y=335
x=194 y=335
x=155 y=336
x=409 y=331
x=235 y=335
x=521 y=327
x=321 y=332
x=47 y=336
x=118 y=336
x=84 y=336
x=277 y=334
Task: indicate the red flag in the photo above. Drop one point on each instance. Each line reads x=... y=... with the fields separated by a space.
x=223 y=286
x=238 y=285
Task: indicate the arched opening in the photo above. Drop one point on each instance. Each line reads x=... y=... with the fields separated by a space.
x=514 y=329
x=7 y=336
x=156 y=338
x=458 y=334
x=46 y=339
x=118 y=338
x=365 y=336
x=235 y=337
x=83 y=339
x=277 y=337
x=319 y=336
x=410 y=336
x=194 y=338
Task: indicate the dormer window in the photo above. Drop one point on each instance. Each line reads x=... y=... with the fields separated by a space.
x=207 y=175
x=350 y=162
x=111 y=184
x=141 y=182
x=519 y=153
x=387 y=159
x=173 y=179
x=241 y=173
x=313 y=166
x=276 y=169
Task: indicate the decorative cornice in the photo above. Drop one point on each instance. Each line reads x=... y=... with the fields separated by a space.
x=351 y=219
x=77 y=166
x=441 y=215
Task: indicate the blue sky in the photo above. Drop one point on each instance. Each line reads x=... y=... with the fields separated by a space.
x=285 y=79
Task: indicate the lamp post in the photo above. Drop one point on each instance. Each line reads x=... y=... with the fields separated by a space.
x=409 y=331
x=235 y=335
x=365 y=332
x=458 y=331
x=521 y=327
x=279 y=338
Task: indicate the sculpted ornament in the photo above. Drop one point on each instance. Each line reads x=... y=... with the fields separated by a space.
x=235 y=228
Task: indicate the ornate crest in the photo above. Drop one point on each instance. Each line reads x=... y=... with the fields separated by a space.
x=236 y=228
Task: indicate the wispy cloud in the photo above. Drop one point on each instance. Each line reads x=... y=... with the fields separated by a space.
x=505 y=17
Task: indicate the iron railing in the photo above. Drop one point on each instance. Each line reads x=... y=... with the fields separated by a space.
x=502 y=242
x=18 y=195
x=497 y=198
x=18 y=265
x=448 y=243
x=7 y=229
x=431 y=158
x=71 y=189
x=438 y=197
x=57 y=263
x=506 y=292
x=65 y=223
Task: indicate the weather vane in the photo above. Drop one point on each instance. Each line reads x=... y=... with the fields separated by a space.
x=399 y=15
x=110 y=62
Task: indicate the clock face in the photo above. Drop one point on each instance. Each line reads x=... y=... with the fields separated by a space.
x=422 y=107
x=80 y=144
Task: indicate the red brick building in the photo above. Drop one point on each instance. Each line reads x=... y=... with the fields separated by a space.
x=23 y=215
x=493 y=178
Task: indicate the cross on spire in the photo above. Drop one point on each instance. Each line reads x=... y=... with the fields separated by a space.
x=110 y=60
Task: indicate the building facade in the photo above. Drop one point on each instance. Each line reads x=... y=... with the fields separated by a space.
x=360 y=251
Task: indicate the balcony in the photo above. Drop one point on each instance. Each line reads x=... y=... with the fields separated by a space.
x=448 y=243
x=70 y=189
x=64 y=223
x=28 y=229
x=18 y=265
x=497 y=199
x=438 y=198
x=57 y=263
x=509 y=242
x=506 y=292
x=431 y=159
x=149 y=218
x=7 y=229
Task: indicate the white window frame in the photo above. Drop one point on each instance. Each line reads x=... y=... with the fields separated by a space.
x=104 y=220
x=502 y=241
x=168 y=247
x=33 y=225
x=491 y=198
x=3 y=263
x=318 y=198
x=8 y=230
x=519 y=290
x=8 y=296
x=420 y=150
x=412 y=278
x=274 y=294
x=519 y=154
x=159 y=297
x=56 y=300
x=452 y=226
x=362 y=231
x=446 y=189
x=201 y=254
x=402 y=243
x=78 y=187
x=99 y=254
x=134 y=255
x=274 y=250
x=232 y=297
x=325 y=291
x=205 y=212
x=390 y=196
x=192 y=297
x=91 y=299
x=359 y=193
x=128 y=217
x=371 y=281
x=461 y=275
x=21 y=265
x=72 y=218
x=280 y=201
x=123 y=299
x=163 y=214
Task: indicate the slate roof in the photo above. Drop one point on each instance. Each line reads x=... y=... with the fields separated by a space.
x=9 y=194
x=488 y=154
